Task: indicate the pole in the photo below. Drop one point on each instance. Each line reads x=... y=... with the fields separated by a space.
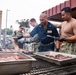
x=6 y=28
x=0 y=23
x=6 y=17
x=6 y=23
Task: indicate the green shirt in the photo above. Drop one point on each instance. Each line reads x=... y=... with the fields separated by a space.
x=17 y=33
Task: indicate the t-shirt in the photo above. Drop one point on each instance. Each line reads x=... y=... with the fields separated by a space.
x=42 y=33
x=17 y=33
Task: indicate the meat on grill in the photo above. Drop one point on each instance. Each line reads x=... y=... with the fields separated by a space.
x=10 y=58
x=59 y=56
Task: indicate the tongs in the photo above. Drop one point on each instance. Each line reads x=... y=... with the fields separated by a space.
x=56 y=38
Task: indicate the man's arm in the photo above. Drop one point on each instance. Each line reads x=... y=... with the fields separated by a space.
x=71 y=39
x=16 y=48
x=31 y=34
x=26 y=35
x=57 y=25
x=57 y=46
x=56 y=34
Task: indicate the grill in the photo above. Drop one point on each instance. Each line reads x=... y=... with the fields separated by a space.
x=41 y=67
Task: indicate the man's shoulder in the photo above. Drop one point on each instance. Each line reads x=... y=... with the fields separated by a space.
x=37 y=26
x=73 y=23
x=16 y=32
x=51 y=25
x=63 y=23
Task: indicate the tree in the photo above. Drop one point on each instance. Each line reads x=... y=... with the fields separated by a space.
x=24 y=22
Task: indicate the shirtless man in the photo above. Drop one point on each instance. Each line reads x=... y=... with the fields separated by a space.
x=68 y=31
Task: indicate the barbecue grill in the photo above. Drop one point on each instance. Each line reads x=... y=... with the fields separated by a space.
x=14 y=63
x=42 y=67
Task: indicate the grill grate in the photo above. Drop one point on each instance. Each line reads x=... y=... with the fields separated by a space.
x=41 y=67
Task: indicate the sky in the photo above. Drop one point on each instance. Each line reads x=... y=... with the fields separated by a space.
x=24 y=9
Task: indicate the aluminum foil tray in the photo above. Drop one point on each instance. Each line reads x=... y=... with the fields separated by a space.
x=11 y=67
x=42 y=55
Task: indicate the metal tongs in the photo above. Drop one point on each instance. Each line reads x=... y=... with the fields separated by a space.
x=53 y=37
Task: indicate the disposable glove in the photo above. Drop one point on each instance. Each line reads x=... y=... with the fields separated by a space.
x=19 y=37
x=57 y=49
x=16 y=40
x=62 y=39
x=57 y=38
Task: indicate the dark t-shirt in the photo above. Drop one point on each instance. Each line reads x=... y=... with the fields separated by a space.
x=42 y=33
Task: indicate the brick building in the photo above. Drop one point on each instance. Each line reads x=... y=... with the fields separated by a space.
x=54 y=12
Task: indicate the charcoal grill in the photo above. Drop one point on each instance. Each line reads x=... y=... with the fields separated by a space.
x=11 y=67
x=41 y=67
x=42 y=55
